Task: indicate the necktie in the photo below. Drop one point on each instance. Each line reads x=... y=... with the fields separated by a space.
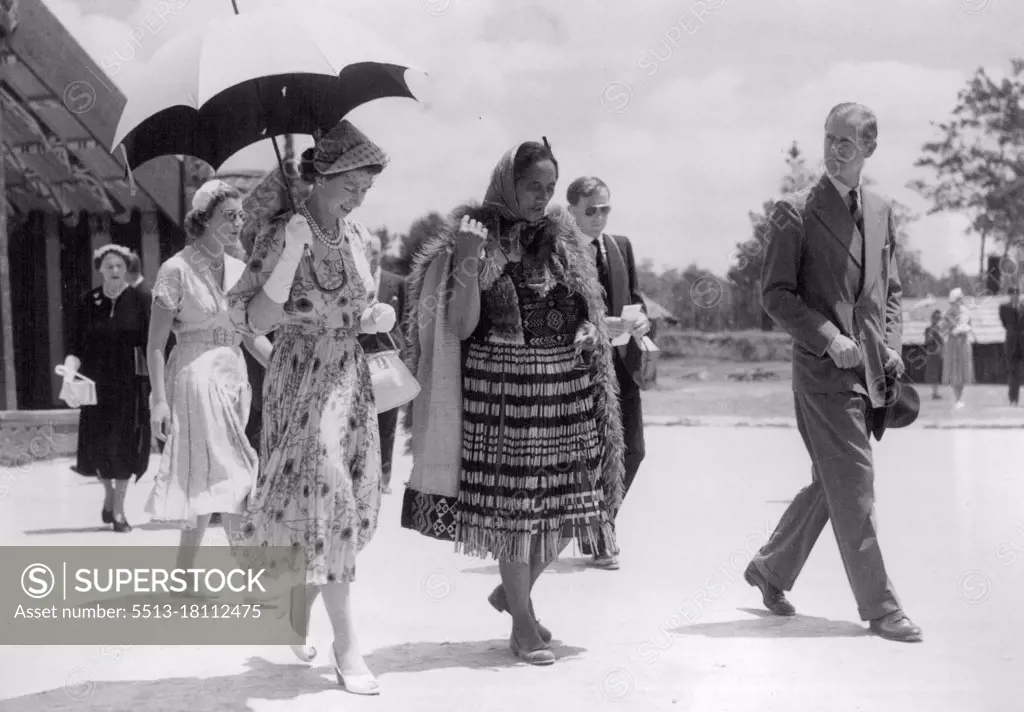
x=857 y=244
x=602 y=270
x=855 y=211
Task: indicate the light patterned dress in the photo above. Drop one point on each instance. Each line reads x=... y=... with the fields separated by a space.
x=319 y=485
x=958 y=361
x=207 y=465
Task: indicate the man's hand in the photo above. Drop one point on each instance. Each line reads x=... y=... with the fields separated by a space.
x=894 y=361
x=845 y=352
x=616 y=326
x=641 y=326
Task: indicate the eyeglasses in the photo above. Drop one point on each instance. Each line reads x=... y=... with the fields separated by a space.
x=593 y=210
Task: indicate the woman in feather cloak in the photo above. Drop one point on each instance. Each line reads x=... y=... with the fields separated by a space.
x=516 y=436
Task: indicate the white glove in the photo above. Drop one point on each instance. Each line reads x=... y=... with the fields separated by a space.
x=377 y=319
x=297 y=236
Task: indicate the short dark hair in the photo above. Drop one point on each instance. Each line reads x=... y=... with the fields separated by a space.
x=530 y=154
x=867 y=129
x=584 y=187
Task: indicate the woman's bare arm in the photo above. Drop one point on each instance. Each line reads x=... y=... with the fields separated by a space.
x=160 y=322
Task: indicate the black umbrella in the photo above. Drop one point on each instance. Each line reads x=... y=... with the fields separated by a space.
x=245 y=78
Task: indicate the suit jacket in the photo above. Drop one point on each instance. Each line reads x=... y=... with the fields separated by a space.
x=391 y=290
x=622 y=288
x=811 y=287
x=1013 y=322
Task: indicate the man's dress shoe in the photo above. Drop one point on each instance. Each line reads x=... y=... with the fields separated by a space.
x=774 y=598
x=896 y=626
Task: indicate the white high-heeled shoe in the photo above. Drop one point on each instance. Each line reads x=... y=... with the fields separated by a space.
x=362 y=684
x=305 y=653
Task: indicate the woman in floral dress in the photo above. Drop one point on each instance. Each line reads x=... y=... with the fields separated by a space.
x=309 y=281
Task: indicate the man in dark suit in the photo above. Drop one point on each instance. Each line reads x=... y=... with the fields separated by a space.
x=390 y=290
x=830 y=280
x=590 y=203
x=1012 y=316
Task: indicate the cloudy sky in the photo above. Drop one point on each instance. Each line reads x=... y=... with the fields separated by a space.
x=685 y=108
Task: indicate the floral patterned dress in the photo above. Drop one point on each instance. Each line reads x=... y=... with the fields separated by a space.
x=319 y=486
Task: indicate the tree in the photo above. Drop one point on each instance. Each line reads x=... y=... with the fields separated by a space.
x=917 y=281
x=420 y=232
x=744 y=274
x=978 y=160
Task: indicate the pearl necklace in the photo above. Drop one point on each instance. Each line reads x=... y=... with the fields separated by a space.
x=333 y=242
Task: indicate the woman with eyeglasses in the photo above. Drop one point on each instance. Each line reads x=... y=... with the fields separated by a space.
x=309 y=280
x=516 y=437
x=201 y=394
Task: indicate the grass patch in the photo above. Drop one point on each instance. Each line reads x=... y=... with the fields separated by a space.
x=694 y=387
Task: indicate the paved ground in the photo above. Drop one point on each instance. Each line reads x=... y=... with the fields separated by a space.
x=675 y=628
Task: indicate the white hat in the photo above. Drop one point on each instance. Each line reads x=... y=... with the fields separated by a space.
x=207 y=192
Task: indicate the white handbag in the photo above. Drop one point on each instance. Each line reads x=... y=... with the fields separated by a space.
x=393 y=382
x=81 y=389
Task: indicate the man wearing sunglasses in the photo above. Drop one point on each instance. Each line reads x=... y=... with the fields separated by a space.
x=830 y=279
x=590 y=203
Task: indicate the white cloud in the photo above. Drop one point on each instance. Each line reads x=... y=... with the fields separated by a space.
x=704 y=140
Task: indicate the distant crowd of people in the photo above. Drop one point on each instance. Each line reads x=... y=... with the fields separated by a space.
x=949 y=353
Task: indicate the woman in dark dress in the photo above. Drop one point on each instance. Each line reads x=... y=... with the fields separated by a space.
x=108 y=346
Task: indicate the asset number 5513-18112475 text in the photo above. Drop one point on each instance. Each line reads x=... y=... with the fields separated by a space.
x=210 y=611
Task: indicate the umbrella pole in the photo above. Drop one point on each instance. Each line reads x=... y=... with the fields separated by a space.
x=284 y=174
x=273 y=140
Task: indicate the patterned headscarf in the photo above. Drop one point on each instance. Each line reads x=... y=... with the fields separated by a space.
x=501 y=193
x=345 y=148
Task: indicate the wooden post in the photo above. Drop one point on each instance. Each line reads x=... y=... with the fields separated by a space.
x=149 y=246
x=6 y=313
x=54 y=301
x=98 y=237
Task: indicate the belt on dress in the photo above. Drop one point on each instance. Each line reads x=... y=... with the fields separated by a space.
x=213 y=337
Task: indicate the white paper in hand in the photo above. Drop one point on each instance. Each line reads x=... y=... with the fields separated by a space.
x=632 y=312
